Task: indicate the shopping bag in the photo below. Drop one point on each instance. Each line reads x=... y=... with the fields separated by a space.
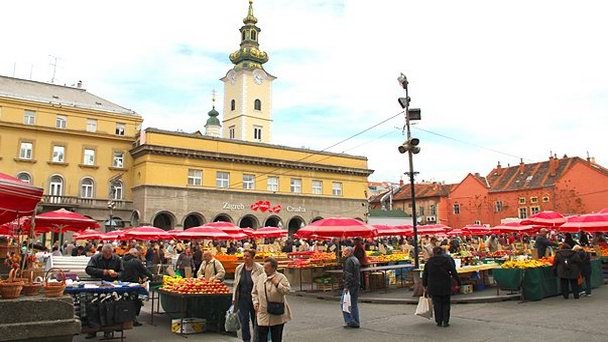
x=232 y=323
x=346 y=304
x=580 y=280
x=425 y=307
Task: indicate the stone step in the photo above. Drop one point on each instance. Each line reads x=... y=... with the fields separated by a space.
x=41 y=331
x=35 y=308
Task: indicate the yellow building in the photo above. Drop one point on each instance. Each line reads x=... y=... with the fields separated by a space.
x=71 y=143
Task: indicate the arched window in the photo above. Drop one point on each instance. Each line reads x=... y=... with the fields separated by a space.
x=257 y=104
x=25 y=177
x=253 y=34
x=86 y=188
x=232 y=105
x=243 y=33
x=56 y=189
x=116 y=190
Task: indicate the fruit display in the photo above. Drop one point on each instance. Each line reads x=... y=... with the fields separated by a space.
x=195 y=286
x=602 y=250
x=385 y=258
x=523 y=264
x=169 y=280
x=310 y=259
x=547 y=260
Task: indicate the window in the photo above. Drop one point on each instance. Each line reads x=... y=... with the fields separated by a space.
x=56 y=189
x=257 y=132
x=116 y=190
x=232 y=104
x=546 y=199
x=58 y=154
x=29 y=117
x=296 y=185
x=534 y=210
x=522 y=200
x=26 y=150
x=86 y=188
x=91 y=125
x=120 y=129
x=89 y=156
x=456 y=208
x=336 y=189
x=243 y=35
x=533 y=200
x=222 y=180
x=523 y=213
x=499 y=206
x=273 y=184
x=195 y=177
x=61 y=122
x=248 y=182
x=118 y=159
x=477 y=222
x=420 y=211
x=317 y=187
x=253 y=34
x=25 y=177
x=231 y=132
x=257 y=104
x=433 y=210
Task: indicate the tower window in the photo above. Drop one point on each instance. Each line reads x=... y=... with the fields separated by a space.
x=243 y=37
x=253 y=35
x=231 y=132
x=232 y=105
x=257 y=132
x=257 y=104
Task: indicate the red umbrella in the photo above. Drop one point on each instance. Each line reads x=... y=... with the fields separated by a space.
x=545 y=219
x=202 y=233
x=386 y=230
x=337 y=227
x=17 y=198
x=430 y=229
x=270 y=232
x=61 y=221
x=458 y=232
x=14 y=227
x=88 y=234
x=235 y=232
x=249 y=231
x=515 y=227
x=604 y=211
x=590 y=223
x=148 y=233
x=114 y=235
x=477 y=230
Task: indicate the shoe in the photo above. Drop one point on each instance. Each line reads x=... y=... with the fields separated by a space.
x=588 y=295
x=439 y=324
x=137 y=324
x=446 y=324
x=348 y=326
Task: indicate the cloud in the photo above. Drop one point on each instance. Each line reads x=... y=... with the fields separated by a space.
x=522 y=78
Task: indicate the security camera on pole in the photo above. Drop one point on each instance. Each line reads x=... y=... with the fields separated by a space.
x=411 y=147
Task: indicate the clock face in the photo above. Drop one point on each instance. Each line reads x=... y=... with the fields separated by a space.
x=259 y=76
x=232 y=76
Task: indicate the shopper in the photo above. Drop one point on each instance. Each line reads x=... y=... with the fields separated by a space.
x=437 y=277
x=567 y=267
x=211 y=269
x=135 y=272
x=585 y=268
x=352 y=284
x=105 y=265
x=583 y=239
x=245 y=276
x=270 y=303
x=185 y=263
x=542 y=243
x=569 y=240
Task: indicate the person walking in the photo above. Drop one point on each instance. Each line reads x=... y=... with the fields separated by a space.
x=270 y=303
x=585 y=268
x=245 y=276
x=352 y=284
x=185 y=263
x=437 y=277
x=135 y=272
x=567 y=267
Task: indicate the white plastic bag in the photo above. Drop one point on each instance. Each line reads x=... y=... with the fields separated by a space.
x=232 y=323
x=425 y=307
x=346 y=302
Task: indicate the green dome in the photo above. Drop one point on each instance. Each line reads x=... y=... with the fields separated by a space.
x=213 y=120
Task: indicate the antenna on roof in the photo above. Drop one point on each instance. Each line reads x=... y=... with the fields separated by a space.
x=14 y=68
x=53 y=64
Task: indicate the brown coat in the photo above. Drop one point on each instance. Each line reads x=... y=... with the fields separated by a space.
x=256 y=271
x=275 y=294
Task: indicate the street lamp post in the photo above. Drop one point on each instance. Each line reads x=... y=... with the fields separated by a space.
x=411 y=147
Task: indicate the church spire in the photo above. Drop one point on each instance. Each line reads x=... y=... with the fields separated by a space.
x=213 y=125
x=249 y=56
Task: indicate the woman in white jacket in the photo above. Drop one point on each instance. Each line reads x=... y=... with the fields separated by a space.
x=245 y=276
x=272 y=287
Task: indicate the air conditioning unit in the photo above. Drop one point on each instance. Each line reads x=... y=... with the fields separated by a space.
x=431 y=219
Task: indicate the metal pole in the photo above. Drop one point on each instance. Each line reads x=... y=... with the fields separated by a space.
x=411 y=174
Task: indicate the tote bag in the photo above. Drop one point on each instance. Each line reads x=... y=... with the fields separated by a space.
x=425 y=307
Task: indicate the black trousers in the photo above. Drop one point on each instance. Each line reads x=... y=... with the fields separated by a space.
x=441 y=307
x=566 y=285
x=276 y=332
x=587 y=283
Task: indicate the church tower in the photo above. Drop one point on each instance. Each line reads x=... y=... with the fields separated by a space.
x=248 y=88
x=213 y=127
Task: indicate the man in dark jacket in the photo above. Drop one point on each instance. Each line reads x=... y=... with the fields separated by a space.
x=586 y=269
x=437 y=277
x=567 y=267
x=542 y=243
x=134 y=272
x=352 y=284
x=105 y=265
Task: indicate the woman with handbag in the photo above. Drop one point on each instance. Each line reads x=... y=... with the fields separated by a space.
x=272 y=310
x=245 y=276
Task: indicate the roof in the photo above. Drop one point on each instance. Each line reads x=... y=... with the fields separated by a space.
x=423 y=190
x=47 y=93
x=387 y=213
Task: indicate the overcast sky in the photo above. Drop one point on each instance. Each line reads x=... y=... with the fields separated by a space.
x=501 y=80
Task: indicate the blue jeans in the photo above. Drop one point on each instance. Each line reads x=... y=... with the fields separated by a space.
x=246 y=314
x=352 y=318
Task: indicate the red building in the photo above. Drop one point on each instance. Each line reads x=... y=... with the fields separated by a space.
x=566 y=185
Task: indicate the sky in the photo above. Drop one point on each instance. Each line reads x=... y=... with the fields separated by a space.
x=496 y=81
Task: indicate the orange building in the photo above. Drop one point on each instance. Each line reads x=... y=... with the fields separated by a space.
x=567 y=185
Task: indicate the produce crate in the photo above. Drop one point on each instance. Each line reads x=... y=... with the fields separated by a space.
x=376 y=281
x=188 y=326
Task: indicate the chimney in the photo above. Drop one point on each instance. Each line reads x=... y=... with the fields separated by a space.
x=553 y=165
x=79 y=84
x=522 y=166
x=401 y=183
x=498 y=170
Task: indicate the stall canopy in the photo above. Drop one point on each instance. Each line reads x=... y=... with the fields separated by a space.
x=337 y=227
x=545 y=219
x=60 y=221
x=476 y=230
x=590 y=223
x=115 y=235
x=235 y=232
x=386 y=230
x=148 y=233
x=202 y=233
x=17 y=198
x=604 y=211
x=515 y=227
x=430 y=229
x=269 y=232
x=88 y=234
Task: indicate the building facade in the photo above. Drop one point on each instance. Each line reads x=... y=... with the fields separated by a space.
x=73 y=144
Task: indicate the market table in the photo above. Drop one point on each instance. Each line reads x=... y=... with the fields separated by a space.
x=460 y=270
x=211 y=307
x=383 y=269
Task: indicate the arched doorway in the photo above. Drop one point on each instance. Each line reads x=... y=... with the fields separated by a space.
x=164 y=220
x=273 y=221
x=316 y=219
x=249 y=221
x=295 y=224
x=223 y=218
x=135 y=218
x=193 y=220
x=114 y=224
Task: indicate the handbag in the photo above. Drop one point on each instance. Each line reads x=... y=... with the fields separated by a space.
x=124 y=311
x=425 y=307
x=274 y=308
x=232 y=323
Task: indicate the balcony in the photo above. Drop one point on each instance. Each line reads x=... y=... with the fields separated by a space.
x=78 y=202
